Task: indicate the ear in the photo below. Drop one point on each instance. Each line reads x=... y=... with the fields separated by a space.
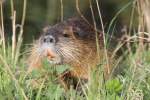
x=80 y=27
x=78 y=32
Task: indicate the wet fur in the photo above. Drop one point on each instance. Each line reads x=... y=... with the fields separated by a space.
x=78 y=49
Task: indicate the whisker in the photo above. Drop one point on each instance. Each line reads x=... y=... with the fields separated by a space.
x=69 y=54
x=60 y=52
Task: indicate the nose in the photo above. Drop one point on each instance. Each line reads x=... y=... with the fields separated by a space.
x=49 y=39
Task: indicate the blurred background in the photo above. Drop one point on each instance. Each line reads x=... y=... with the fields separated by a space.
x=48 y=12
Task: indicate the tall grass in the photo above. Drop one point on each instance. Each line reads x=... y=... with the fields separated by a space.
x=131 y=83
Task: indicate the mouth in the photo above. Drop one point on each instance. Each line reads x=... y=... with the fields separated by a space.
x=53 y=58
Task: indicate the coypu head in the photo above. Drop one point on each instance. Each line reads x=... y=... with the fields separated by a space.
x=68 y=42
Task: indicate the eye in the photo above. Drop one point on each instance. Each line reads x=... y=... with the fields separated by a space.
x=66 y=35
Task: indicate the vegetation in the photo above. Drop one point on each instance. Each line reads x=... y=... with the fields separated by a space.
x=132 y=70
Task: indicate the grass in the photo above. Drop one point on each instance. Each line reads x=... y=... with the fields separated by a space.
x=130 y=82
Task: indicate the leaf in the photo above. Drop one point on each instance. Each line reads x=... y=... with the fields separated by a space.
x=62 y=68
x=114 y=85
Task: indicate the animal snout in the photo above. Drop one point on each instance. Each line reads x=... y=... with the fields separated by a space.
x=49 y=39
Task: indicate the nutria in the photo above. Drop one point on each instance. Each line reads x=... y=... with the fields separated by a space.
x=70 y=42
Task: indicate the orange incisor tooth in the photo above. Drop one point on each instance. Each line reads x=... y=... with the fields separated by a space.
x=50 y=54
